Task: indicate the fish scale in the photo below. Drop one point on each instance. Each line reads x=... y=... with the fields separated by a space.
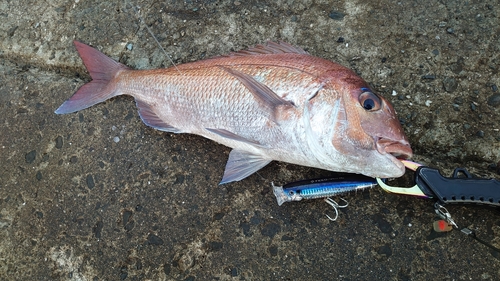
x=270 y=102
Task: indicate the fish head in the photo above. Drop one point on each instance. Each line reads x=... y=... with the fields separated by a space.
x=374 y=131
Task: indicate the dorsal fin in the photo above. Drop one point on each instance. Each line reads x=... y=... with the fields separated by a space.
x=269 y=48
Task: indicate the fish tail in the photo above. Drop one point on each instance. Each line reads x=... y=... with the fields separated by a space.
x=103 y=70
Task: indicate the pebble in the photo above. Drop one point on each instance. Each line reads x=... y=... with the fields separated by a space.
x=154 y=240
x=116 y=139
x=494 y=100
x=458 y=100
x=450 y=84
x=30 y=156
x=59 y=142
x=429 y=76
x=130 y=46
x=90 y=181
x=336 y=15
x=480 y=134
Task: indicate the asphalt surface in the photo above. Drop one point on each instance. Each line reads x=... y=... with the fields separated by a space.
x=98 y=195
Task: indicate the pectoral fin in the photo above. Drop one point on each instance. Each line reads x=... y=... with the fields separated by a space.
x=230 y=135
x=242 y=164
x=261 y=92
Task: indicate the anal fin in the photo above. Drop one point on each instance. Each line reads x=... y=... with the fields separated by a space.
x=150 y=118
x=242 y=164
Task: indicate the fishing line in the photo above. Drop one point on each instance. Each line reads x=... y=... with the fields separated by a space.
x=139 y=17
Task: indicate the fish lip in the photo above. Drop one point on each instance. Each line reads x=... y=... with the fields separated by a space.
x=398 y=149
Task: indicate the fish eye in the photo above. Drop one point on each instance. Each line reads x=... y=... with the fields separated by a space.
x=369 y=101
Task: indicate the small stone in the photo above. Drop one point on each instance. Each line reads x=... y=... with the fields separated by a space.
x=336 y=15
x=12 y=30
x=270 y=230
x=494 y=100
x=450 y=30
x=494 y=88
x=30 y=156
x=59 y=142
x=127 y=214
x=154 y=240
x=429 y=77
x=116 y=139
x=382 y=223
x=340 y=40
x=234 y=272
x=179 y=179
x=215 y=245
x=385 y=250
x=130 y=46
x=450 y=84
x=480 y=134
x=123 y=273
x=90 y=182
x=458 y=100
x=273 y=250
x=435 y=52
x=97 y=229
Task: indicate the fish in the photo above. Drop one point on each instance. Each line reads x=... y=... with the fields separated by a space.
x=268 y=102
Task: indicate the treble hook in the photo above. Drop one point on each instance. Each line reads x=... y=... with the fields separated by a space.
x=335 y=206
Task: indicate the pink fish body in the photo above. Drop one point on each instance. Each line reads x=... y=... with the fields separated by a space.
x=272 y=102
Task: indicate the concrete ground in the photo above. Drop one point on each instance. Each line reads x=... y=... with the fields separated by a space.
x=97 y=195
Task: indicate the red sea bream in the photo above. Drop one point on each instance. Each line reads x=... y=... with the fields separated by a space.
x=270 y=102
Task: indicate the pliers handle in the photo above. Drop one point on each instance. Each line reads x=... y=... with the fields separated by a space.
x=461 y=187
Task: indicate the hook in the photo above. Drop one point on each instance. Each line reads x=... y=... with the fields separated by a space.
x=335 y=206
x=443 y=213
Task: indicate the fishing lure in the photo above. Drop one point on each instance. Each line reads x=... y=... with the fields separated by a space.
x=323 y=188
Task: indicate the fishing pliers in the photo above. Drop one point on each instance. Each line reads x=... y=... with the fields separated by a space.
x=461 y=187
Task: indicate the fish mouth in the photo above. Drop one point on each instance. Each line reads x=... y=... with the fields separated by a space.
x=398 y=149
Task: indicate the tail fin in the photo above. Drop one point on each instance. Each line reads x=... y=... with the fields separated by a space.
x=102 y=69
